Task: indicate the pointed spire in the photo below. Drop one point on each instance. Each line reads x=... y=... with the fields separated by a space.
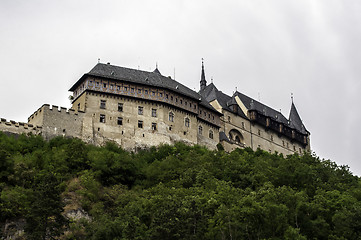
x=203 y=82
x=295 y=119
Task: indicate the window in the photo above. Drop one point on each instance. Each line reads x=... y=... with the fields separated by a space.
x=200 y=111
x=200 y=130
x=287 y=145
x=154 y=126
x=153 y=93
x=102 y=104
x=160 y=94
x=210 y=134
x=102 y=118
x=120 y=121
x=243 y=125
x=229 y=118
x=283 y=142
x=185 y=103
x=104 y=85
x=78 y=106
x=166 y=96
x=181 y=101
x=140 y=110
x=139 y=91
x=300 y=150
x=146 y=91
x=132 y=90
x=171 y=98
x=97 y=84
x=272 y=138
x=140 y=124
x=176 y=100
x=154 y=112
x=259 y=132
x=111 y=86
x=126 y=89
x=294 y=148
x=171 y=117
x=118 y=88
x=186 y=122
x=120 y=107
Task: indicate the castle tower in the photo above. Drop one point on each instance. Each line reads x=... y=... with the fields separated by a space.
x=203 y=82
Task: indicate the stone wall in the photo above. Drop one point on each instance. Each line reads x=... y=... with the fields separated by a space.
x=256 y=136
x=18 y=127
x=136 y=123
x=57 y=121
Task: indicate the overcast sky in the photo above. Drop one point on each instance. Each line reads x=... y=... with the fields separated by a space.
x=268 y=49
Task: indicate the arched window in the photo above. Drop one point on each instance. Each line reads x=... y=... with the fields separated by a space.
x=186 y=122
x=210 y=134
x=236 y=136
x=200 y=130
x=171 y=116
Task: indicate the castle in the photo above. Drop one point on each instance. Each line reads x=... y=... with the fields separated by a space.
x=138 y=109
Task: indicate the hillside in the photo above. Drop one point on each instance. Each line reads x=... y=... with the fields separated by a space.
x=69 y=190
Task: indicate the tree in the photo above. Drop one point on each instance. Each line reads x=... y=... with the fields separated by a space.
x=44 y=220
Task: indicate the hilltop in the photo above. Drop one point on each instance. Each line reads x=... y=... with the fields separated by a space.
x=66 y=189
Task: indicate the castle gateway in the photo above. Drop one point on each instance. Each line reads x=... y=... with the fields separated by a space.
x=139 y=109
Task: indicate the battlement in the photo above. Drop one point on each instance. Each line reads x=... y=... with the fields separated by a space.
x=53 y=108
x=18 y=127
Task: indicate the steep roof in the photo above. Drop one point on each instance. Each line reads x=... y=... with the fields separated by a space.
x=252 y=104
x=295 y=120
x=154 y=79
x=211 y=93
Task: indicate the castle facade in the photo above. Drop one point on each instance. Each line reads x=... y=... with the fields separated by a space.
x=139 y=109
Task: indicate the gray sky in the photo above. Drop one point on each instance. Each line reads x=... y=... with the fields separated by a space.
x=265 y=48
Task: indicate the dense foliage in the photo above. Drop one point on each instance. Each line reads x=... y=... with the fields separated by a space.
x=174 y=192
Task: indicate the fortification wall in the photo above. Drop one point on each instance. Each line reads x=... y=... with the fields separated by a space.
x=60 y=121
x=18 y=127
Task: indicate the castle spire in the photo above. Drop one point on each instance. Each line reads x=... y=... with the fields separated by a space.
x=203 y=82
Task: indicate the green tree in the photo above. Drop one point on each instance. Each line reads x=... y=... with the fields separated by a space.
x=44 y=220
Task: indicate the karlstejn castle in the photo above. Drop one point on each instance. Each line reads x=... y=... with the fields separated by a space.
x=138 y=109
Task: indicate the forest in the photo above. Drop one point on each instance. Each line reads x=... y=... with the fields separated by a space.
x=172 y=192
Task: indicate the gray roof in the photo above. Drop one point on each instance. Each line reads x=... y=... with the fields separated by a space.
x=154 y=79
x=223 y=137
x=295 y=120
x=211 y=93
x=252 y=104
